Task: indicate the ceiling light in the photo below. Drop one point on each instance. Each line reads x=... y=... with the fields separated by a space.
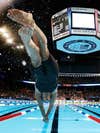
x=9 y=40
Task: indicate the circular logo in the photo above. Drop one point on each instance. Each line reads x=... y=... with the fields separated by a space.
x=79 y=45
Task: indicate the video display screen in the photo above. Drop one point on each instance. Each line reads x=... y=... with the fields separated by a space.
x=83 y=20
x=59 y=25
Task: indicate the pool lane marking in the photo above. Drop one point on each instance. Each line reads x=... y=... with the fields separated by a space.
x=89 y=110
x=10 y=116
x=87 y=115
x=12 y=104
x=14 y=114
x=94 y=118
x=14 y=109
x=54 y=128
x=94 y=106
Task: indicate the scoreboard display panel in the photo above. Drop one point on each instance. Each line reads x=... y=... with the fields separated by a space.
x=83 y=20
x=76 y=30
x=60 y=25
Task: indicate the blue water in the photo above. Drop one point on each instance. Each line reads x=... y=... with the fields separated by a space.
x=69 y=121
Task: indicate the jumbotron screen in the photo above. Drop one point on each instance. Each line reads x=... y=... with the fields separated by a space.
x=83 y=20
x=60 y=24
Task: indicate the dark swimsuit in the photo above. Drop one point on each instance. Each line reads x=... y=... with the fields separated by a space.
x=46 y=75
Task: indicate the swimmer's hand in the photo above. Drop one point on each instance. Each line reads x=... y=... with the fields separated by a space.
x=46 y=119
x=21 y=17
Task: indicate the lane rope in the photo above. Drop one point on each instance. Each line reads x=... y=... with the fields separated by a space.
x=85 y=114
x=12 y=115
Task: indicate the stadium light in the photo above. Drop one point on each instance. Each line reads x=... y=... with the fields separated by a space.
x=20 y=47
x=2 y=30
x=6 y=35
x=9 y=40
x=24 y=63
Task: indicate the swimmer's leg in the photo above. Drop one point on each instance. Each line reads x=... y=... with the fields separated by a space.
x=42 y=42
x=26 y=19
x=31 y=48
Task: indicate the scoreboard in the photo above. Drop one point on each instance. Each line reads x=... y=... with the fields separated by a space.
x=76 y=30
x=60 y=25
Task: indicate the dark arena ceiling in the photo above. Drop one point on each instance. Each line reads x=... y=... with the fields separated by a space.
x=14 y=62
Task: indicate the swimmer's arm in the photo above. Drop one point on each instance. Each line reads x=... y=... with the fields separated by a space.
x=51 y=104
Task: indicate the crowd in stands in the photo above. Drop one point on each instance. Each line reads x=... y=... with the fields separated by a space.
x=67 y=93
x=23 y=93
x=84 y=93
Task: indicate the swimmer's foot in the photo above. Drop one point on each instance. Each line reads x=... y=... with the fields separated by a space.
x=21 y=17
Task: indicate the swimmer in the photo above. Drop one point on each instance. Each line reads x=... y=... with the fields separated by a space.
x=45 y=67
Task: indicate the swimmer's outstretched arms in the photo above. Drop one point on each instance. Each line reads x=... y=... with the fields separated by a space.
x=45 y=66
